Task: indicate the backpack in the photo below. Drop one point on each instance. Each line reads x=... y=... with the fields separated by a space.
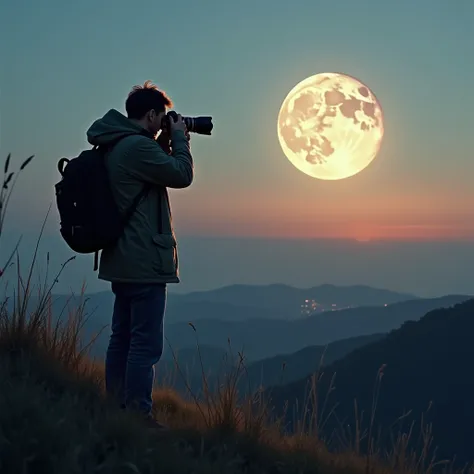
x=90 y=220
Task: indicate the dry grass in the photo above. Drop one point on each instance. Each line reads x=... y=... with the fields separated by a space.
x=55 y=417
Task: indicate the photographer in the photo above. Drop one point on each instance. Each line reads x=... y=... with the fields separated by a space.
x=144 y=260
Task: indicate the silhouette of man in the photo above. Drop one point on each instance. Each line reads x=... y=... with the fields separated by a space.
x=145 y=258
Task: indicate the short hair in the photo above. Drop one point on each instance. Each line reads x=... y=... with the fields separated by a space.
x=145 y=98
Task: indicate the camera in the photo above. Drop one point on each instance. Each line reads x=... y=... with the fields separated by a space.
x=199 y=125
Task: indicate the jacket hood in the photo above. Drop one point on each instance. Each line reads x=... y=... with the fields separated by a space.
x=111 y=127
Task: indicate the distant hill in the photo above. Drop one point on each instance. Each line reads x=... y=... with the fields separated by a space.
x=260 y=338
x=267 y=372
x=283 y=369
x=277 y=301
x=426 y=362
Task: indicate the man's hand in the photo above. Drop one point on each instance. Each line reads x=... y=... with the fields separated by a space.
x=179 y=125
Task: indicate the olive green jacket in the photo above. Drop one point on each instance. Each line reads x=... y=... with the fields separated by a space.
x=147 y=250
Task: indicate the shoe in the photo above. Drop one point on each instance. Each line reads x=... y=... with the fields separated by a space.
x=154 y=425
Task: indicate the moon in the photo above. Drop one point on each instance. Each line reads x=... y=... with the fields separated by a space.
x=330 y=126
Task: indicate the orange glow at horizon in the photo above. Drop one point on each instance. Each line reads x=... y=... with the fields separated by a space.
x=396 y=217
x=342 y=231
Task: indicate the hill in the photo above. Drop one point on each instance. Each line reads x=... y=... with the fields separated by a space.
x=283 y=369
x=276 y=370
x=260 y=338
x=424 y=364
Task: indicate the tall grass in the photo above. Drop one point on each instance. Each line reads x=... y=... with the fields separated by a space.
x=221 y=406
x=26 y=315
x=250 y=412
x=222 y=430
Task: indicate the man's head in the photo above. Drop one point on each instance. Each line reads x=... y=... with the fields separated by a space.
x=147 y=106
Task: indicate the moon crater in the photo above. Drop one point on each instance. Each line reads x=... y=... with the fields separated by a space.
x=330 y=126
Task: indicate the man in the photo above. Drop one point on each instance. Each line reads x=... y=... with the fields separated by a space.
x=145 y=257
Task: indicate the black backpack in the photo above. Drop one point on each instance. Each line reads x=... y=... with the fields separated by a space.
x=90 y=220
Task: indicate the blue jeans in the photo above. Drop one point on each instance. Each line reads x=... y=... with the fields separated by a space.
x=136 y=343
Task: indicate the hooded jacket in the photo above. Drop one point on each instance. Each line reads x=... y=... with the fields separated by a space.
x=147 y=250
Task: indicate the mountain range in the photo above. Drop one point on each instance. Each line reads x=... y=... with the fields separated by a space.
x=276 y=301
x=423 y=351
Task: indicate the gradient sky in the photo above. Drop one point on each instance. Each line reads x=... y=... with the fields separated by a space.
x=64 y=64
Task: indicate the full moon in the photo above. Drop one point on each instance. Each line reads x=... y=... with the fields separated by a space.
x=330 y=126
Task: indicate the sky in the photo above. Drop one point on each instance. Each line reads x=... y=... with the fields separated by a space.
x=64 y=64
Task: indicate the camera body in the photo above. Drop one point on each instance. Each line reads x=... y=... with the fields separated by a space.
x=199 y=125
